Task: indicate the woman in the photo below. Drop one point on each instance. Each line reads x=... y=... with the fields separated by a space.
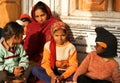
x=38 y=31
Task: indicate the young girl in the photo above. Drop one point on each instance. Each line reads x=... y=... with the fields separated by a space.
x=25 y=18
x=14 y=64
x=59 y=57
x=38 y=31
x=99 y=66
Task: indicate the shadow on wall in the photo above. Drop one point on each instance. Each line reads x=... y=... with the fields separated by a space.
x=56 y=14
x=80 y=43
x=70 y=34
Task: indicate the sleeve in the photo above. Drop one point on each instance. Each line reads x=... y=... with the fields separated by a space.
x=73 y=64
x=3 y=66
x=116 y=74
x=24 y=62
x=82 y=69
x=46 y=61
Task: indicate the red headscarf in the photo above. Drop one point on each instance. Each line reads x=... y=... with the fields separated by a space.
x=54 y=27
x=37 y=35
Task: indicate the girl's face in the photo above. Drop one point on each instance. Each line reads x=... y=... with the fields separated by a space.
x=99 y=49
x=40 y=16
x=60 y=36
x=25 y=26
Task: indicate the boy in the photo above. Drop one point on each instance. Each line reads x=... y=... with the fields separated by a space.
x=14 y=63
x=99 y=66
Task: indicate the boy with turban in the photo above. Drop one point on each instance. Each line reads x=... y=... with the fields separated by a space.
x=99 y=66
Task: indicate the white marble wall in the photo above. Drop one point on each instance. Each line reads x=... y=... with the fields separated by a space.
x=67 y=11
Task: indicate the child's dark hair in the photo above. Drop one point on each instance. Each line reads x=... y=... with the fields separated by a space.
x=42 y=6
x=1 y=32
x=12 y=28
x=26 y=19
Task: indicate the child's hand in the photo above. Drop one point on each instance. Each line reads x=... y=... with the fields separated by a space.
x=60 y=79
x=53 y=80
x=53 y=77
x=18 y=71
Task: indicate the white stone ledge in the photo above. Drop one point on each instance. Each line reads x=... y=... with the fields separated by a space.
x=91 y=20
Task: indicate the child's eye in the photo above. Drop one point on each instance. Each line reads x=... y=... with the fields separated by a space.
x=63 y=35
x=56 y=35
x=103 y=48
x=36 y=16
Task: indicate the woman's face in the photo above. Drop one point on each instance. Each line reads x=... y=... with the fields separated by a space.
x=40 y=16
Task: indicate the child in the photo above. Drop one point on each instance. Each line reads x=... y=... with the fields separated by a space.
x=59 y=57
x=26 y=20
x=99 y=66
x=14 y=63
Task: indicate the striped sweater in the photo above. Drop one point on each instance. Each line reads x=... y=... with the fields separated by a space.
x=66 y=58
x=8 y=60
x=96 y=67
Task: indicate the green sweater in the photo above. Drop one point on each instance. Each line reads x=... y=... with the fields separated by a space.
x=8 y=60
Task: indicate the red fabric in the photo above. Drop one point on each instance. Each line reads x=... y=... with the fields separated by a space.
x=24 y=16
x=52 y=53
x=48 y=9
x=37 y=35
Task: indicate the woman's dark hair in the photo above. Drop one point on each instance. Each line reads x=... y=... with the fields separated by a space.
x=42 y=6
x=10 y=29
